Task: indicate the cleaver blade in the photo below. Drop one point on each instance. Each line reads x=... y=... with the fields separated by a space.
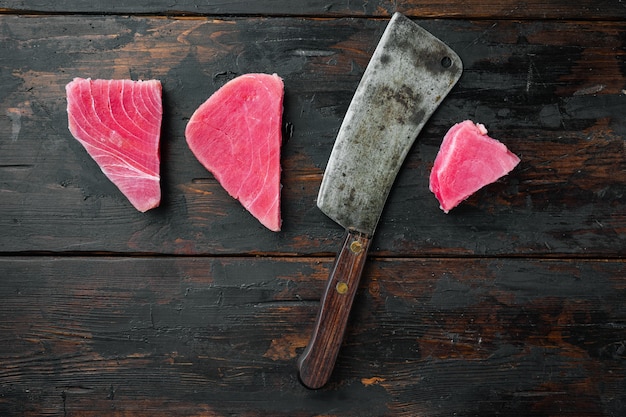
x=408 y=76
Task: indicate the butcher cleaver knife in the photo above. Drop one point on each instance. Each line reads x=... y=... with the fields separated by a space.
x=409 y=74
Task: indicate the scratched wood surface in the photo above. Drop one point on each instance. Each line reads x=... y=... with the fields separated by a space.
x=551 y=91
x=195 y=336
x=511 y=304
x=489 y=9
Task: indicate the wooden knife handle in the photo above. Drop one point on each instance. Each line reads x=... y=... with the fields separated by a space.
x=318 y=359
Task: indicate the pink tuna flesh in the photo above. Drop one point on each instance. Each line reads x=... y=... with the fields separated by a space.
x=119 y=124
x=467 y=161
x=236 y=134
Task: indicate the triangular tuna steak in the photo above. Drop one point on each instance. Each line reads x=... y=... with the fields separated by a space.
x=236 y=134
x=467 y=161
x=119 y=124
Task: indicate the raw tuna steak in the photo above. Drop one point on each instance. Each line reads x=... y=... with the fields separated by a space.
x=119 y=124
x=467 y=161
x=236 y=134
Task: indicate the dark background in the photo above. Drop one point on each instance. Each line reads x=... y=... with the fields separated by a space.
x=512 y=304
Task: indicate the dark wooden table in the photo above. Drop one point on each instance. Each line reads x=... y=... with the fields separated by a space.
x=512 y=304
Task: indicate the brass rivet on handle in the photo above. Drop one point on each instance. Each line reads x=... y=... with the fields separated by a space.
x=356 y=247
x=342 y=287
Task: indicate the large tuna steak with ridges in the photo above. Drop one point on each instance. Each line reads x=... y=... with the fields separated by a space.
x=119 y=124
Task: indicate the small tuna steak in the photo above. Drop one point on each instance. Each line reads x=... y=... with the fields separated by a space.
x=119 y=124
x=467 y=161
x=236 y=134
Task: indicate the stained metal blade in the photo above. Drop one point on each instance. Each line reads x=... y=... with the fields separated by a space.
x=409 y=74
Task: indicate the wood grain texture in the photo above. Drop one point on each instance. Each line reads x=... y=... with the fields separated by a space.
x=217 y=336
x=486 y=9
x=317 y=362
x=551 y=91
x=512 y=304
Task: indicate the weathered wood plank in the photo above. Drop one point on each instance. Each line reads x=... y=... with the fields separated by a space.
x=552 y=91
x=192 y=336
x=490 y=9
